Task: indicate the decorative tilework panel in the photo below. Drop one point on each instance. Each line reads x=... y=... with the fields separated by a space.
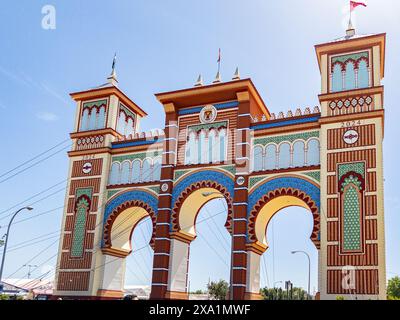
x=358 y=167
x=354 y=56
x=94 y=103
x=351 y=219
x=208 y=126
x=79 y=228
x=134 y=156
x=290 y=138
x=316 y=175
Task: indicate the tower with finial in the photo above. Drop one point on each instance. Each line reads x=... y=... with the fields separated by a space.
x=104 y=114
x=351 y=136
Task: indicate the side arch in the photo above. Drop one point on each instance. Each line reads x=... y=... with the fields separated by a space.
x=292 y=189
x=117 y=214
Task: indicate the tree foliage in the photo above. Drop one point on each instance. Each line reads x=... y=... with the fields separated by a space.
x=393 y=288
x=280 y=294
x=218 y=290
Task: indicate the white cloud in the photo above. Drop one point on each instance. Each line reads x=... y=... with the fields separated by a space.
x=47 y=116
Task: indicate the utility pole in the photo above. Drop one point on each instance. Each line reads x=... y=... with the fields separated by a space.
x=309 y=270
x=30 y=266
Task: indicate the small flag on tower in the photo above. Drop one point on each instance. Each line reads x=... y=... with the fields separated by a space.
x=355 y=4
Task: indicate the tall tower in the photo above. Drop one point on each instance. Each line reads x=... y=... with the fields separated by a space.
x=352 y=126
x=103 y=115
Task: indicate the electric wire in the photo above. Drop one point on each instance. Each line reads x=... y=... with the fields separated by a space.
x=34 y=158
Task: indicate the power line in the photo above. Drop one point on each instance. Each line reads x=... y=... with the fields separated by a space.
x=33 y=203
x=33 y=243
x=34 y=216
x=34 y=164
x=34 y=158
x=34 y=196
x=33 y=258
x=36 y=238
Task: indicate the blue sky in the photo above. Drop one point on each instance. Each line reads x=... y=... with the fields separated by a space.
x=163 y=45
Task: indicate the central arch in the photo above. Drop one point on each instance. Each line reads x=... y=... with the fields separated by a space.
x=189 y=196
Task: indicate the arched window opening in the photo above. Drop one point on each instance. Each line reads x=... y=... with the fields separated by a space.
x=114 y=173
x=363 y=74
x=85 y=120
x=223 y=145
x=298 y=154
x=125 y=172
x=101 y=118
x=284 y=155
x=313 y=152
x=157 y=168
x=258 y=158
x=146 y=170
x=136 y=171
x=211 y=146
x=92 y=118
x=337 y=78
x=350 y=76
x=202 y=155
x=270 y=157
x=121 y=122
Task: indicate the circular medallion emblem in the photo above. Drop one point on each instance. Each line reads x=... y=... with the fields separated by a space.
x=87 y=167
x=240 y=181
x=208 y=114
x=350 y=136
x=164 y=187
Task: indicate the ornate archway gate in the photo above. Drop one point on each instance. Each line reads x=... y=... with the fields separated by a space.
x=220 y=140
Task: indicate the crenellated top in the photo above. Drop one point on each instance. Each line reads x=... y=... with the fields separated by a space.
x=289 y=115
x=154 y=133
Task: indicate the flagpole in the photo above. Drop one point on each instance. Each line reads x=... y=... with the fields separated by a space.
x=219 y=60
x=350 y=22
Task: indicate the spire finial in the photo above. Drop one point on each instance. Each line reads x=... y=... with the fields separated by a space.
x=217 y=78
x=236 y=76
x=199 y=81
x=113 y=76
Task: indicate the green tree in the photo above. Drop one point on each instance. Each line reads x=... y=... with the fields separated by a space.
x=1 y=243
x=197 y=292
x=218 y=290
x=280 y=294
x=393 y=289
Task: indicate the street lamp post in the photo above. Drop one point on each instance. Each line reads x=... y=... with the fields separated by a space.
x=309 y=270
x=6 y=242
x=275 y=296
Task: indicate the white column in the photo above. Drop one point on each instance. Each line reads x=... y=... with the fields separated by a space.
x=178 y=266
x=253 y=273
x=114 y=273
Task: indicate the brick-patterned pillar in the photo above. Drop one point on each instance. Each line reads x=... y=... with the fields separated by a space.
x=240 y=202
x=163 y=240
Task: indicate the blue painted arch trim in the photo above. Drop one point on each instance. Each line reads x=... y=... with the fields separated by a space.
x=205 y=175
x=114 y=203
x=144 y=196
x=285 y=182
